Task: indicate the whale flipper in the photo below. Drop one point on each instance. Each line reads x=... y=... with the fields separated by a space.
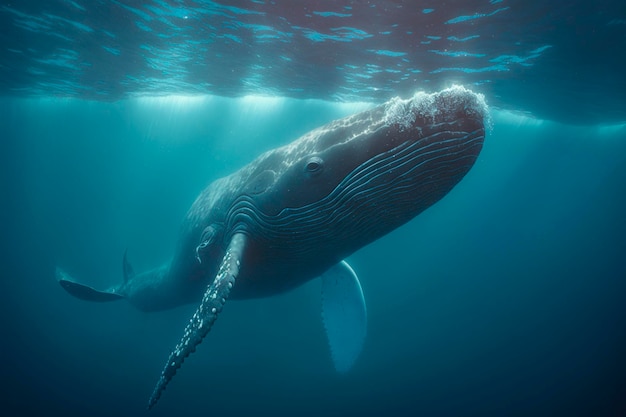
x=211 y=305
x=85 y=292
x=344 y=314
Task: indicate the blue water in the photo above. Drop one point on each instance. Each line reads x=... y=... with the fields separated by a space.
x=506 y=298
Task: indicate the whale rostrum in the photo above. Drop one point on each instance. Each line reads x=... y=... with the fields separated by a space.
x=297 y=212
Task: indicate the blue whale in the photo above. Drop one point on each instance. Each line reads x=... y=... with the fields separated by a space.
x=296 y=212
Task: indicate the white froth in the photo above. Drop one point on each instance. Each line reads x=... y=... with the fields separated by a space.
x=403 y=112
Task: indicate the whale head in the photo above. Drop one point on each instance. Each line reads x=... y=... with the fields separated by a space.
x=347 y=183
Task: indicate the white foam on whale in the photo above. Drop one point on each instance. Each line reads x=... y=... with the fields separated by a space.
x=429 y=105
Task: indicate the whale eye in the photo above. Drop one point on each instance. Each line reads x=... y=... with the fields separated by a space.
x=314 y=165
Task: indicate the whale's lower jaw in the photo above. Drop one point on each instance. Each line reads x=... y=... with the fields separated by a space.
x=384 y=193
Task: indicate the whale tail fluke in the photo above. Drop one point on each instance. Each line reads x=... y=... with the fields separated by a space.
x=84 y=292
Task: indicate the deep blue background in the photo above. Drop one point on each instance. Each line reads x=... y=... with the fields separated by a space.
x=505 y=298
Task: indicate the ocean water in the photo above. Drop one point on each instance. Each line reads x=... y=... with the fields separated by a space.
x=505 y=298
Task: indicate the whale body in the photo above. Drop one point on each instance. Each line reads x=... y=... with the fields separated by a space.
x=296 y=212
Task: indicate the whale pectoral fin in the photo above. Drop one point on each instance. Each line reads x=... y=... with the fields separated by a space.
x=344 y=314
x=84 y=292
x=206 y=314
